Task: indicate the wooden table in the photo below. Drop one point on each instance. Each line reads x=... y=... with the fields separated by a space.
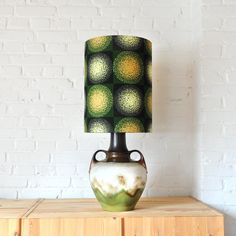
x=165 y=216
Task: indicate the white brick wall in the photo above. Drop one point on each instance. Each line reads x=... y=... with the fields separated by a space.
x=43 y=150
x=214 y=115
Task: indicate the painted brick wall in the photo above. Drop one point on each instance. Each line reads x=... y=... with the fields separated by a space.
x=43 y=150
x=215 y=113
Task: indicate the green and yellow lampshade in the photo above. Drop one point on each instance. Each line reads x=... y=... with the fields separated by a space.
x=118 y=84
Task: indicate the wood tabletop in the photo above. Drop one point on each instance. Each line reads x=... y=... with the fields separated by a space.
x=15 y=209
x=146 y=207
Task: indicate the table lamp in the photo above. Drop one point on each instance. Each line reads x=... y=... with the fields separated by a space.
x=118 y=100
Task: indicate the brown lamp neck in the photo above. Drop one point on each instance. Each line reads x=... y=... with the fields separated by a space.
x=118 y=143
x=118 y=151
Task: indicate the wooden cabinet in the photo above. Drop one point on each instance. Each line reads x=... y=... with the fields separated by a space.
x=11 y=212
x=172 y=216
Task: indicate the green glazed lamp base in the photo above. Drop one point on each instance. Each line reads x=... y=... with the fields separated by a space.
x=121 y=201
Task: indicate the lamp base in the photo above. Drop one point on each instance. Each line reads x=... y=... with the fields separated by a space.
x=118 y=181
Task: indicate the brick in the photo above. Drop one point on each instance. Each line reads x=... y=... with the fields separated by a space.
x=46 y=170
x=46 y=145
x=52 y=122
x=49 y=181
x=18 y=23
x=29 y=122
x=122 y=23
x=229 y=23
x=50 y=134
x=35 y=193
x=13 y=181
x=212 y=2
x=120 y=11
x=80 y=182
x=13 y=47
x=219 y=11
x=66 y=145
x=77 y=193
x=65 y=170
x=8 y=122
x=35 y=11
x=211 y=51
x=56 y=48
x=77 y=48
x=229 y=51
x=31 y=70
x=40 y=23
x=143 y=23
x=53 y=83
x=21 y=36
x=67 y=109
x=211 y=23
x=29 y=95
x=56 y=36
x=6 y=144
x=161 y=11
x=13 y=133
x=6 y=10
x=26 y=145
x=5 y=169
x=220 y=37
x=229 y=157
x=68 y=157
x=3 y=23
x=229 y=184
x=24 y=170
x=62 y=23
x=29 y=109
x=211 y=183
x=52 y=71
x=10 y=71
x=51 y=96
x=102 y=23
x=81 y=23
x=101 y=3
x=71 y=59
x=34 y=48
x=28 y=157
x=74 y=11
x=31 y=59
x=72 y=96
x=8 y=193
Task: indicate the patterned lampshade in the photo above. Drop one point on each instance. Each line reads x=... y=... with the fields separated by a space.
x=118 y=84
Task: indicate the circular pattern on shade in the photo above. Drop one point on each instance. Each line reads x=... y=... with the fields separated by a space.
x=118 y=84
x=99 y=100
x=127 y=42
x=128 y=100
x=148 y=102
x=128 y=67
x=99 y=43
x=149 y=71
x=99 y=68
x=148 y=46
x=129 y=125
x=99 y=125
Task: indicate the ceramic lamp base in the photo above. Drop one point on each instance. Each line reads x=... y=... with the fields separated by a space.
x=118 y=186
x=118 y=181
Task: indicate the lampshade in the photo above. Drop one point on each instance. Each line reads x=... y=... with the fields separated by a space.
x=118 y=84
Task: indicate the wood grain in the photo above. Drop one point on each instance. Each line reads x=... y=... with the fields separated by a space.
x=150 y=207
x=174 y=226
x=72 y=227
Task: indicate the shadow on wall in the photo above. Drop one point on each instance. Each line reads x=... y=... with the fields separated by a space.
x=168 y=149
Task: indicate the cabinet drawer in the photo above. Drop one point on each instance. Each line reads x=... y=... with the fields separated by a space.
x=72 y=227
x=174 y=226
